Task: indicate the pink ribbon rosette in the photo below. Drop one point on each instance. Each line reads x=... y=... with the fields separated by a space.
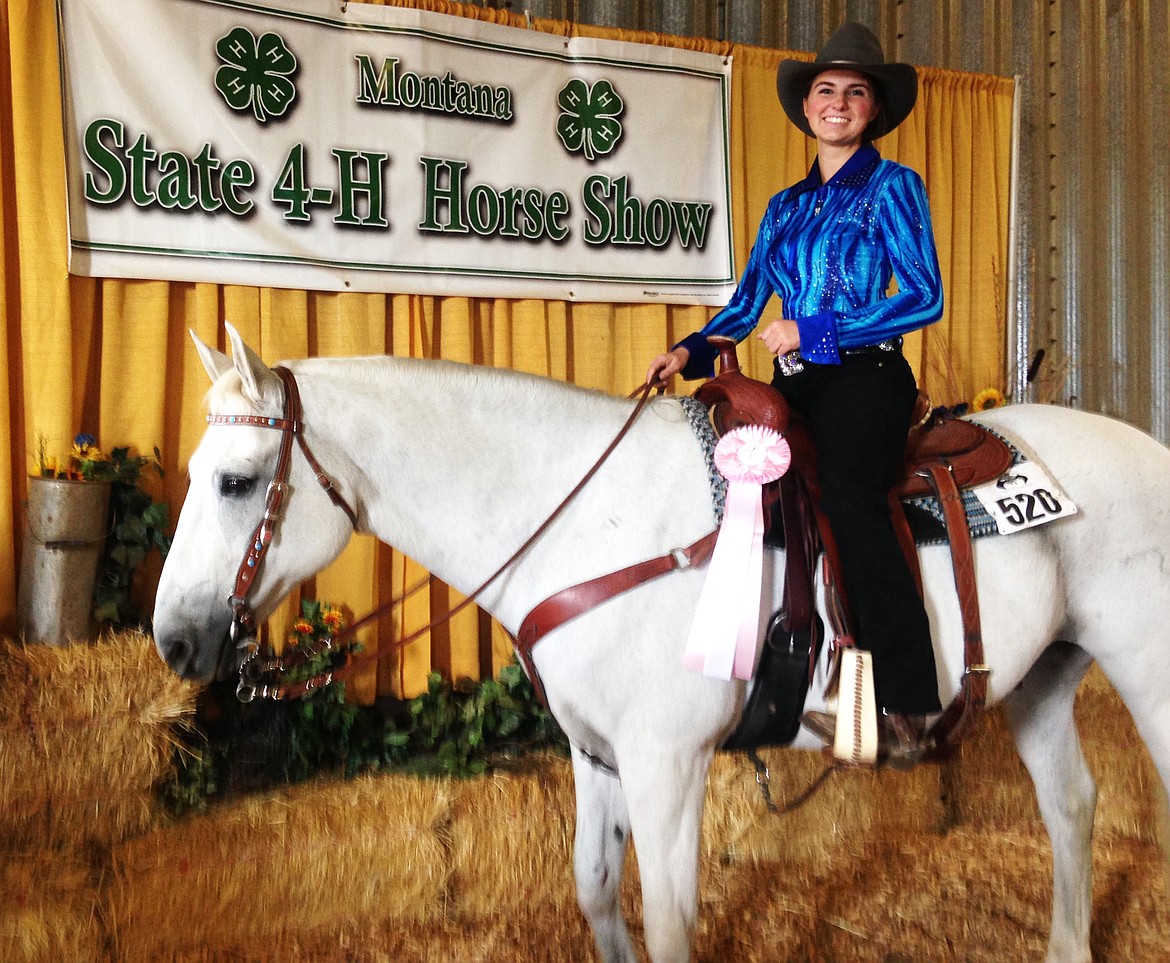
x=725 y=633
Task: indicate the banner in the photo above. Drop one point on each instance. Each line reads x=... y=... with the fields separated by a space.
x=352 y=147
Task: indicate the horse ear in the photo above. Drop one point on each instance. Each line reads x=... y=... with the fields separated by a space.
x=215 y=362
x=254 y=373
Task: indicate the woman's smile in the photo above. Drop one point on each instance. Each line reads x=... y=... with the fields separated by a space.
x=840 y=106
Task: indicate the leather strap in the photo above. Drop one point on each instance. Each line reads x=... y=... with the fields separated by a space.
x=568 y=603
x=293 y=394
x=273 y=505
x=800 y=562
x=354 y=662
x=968 y=705
x=243 y=624
x=906 y=539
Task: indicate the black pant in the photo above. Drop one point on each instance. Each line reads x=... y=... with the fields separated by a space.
x=859 y=414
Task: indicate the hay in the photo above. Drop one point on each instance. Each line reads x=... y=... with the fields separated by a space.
x=851 y=806
x=85 y=732
x=48 y=909
x=979 y=896
x=945 y=863
x=321 y=855
x=511 y=840
x=986 y=784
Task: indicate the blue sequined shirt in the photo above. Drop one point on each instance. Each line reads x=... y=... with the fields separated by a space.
x=829 y=251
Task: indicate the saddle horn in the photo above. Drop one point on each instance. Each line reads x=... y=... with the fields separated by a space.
x=735 y=399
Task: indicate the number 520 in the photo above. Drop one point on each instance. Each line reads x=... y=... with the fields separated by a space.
x=1025 y=508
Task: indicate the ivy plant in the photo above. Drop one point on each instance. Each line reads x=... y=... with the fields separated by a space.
x=458 y=730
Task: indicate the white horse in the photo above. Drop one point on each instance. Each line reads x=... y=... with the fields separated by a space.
x=456 y=466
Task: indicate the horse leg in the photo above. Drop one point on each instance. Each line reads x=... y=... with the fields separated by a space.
x=1040 y=715
x=665 y=791
x=599 y=852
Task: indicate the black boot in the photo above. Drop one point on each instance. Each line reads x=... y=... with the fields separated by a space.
x=823 y=725
x=902 y=745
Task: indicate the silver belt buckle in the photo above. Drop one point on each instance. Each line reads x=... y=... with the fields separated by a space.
x=790 y=364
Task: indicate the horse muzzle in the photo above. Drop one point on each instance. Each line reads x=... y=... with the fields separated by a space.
x=197 y=653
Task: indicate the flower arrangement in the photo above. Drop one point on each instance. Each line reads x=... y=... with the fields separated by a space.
x=987 y=399
x=318 y=621
x=87 y=462
x=312 y=640
x=984 y=400
x=139 y=524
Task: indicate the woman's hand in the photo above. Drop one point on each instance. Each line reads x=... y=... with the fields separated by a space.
x=781 y=336
x=665 y=365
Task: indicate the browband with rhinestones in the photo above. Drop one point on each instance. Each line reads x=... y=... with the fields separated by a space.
x=254 y=421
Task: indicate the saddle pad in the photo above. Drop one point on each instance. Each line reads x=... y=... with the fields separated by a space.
x=699 y=418
x=925 y=514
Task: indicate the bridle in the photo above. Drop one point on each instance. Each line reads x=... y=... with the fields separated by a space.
x=243 y=626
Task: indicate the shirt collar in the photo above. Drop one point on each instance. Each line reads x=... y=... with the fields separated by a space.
x=855 y=172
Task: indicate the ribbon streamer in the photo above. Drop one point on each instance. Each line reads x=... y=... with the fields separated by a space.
x=724 y=638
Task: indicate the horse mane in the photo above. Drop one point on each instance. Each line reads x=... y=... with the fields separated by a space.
x=451 y=379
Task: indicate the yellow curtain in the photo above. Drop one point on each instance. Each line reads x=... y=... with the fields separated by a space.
x=113 y=357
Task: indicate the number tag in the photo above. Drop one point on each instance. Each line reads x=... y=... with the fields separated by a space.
x=1023 y=497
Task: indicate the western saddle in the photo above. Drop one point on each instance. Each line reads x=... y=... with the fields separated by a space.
x=944 y=455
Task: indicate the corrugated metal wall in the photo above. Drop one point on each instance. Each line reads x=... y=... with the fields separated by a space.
x=1093 y=222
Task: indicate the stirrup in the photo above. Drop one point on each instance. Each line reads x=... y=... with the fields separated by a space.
x=902 y=742
x=853 y=733
x=855 y=738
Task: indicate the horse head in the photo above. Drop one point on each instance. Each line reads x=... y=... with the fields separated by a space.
x=212 y=571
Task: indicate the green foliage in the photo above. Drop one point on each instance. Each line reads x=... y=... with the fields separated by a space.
x=140 y=524
x=459 y=730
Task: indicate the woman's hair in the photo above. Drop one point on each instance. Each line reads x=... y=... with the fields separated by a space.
x=870 y=133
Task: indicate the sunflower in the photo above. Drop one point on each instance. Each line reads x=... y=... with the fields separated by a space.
x=988 y=398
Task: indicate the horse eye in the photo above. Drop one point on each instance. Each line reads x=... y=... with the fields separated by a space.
x=236 y=486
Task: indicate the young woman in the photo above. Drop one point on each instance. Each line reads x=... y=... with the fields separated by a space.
x=828 y=246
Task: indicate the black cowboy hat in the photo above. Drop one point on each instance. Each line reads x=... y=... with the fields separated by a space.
x=852 y=47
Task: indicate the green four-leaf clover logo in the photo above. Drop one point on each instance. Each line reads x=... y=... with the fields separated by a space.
x=255 y=73
x=588 y=122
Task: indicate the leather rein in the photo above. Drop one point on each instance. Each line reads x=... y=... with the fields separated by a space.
x=253 y=670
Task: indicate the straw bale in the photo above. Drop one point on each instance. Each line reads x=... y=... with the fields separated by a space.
x=511 y=833
x=86 y=731
x=320 y=855
x=984 y=897
x=49 y=909
x=965 y=896
x=987 y=786
x=851 y=806
x=498 y=849
x=511 y=837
